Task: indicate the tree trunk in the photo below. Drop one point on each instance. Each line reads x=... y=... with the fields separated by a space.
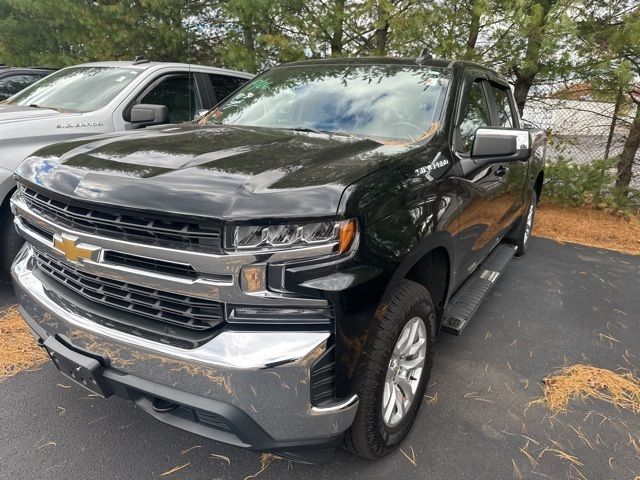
x=474 y=31
x=247 y=31
x=521 y=88
x=381 y=36
x=249 y=43
x=625 y=161
x=338 y=28
x=614 y=121
x=531 y=63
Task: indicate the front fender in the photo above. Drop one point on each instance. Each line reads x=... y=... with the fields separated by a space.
x=442 y=239
x=7 y=183
x=405 y=211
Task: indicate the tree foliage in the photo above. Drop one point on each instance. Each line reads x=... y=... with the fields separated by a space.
x=534 y=42
x=531 y=41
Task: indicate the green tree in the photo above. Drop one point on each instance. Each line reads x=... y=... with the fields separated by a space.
x=534 y=45
x=246 y=34
x=64 y=32
x=452 y=28
x=609 y=36
x=123 y=29
x=41 y=32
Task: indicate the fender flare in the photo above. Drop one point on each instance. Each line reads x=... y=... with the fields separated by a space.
x=433 y=241
x=7 y=184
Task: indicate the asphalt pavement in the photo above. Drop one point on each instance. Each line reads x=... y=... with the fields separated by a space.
x=559 y=304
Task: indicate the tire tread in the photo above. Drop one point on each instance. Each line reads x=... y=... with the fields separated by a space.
x=362 y=439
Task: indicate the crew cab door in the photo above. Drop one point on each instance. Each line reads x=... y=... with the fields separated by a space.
x=505 y=115
x=490 y=193
x=178 y=91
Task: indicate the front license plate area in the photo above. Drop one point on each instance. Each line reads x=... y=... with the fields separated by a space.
x=83 y=370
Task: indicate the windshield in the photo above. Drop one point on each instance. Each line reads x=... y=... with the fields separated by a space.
x=76 y=89
x=374 y=101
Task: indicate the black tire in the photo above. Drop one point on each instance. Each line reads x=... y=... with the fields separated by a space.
x=10 y=241
x=369 y=436
x=522 y=237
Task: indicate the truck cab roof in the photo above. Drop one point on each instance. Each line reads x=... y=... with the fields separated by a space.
x=143 y=65
x=433 y=62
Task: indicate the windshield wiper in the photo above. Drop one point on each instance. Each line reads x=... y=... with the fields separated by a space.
x=323 y=132
x=33 y=105
x=308 y=130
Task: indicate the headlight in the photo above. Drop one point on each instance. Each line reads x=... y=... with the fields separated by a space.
x=270 y=237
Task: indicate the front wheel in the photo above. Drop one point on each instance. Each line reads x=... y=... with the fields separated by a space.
x=400 y=358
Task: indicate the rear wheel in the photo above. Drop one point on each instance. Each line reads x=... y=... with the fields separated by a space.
x=10 y=241
x=400 y=359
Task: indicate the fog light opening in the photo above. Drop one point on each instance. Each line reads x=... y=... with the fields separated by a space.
x=253 y=279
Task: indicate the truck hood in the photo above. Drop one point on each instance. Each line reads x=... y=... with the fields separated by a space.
x=226 y=172
x=15 y=113
x=24 y=130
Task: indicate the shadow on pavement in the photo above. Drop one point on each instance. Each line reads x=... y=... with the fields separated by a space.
x=558 y=304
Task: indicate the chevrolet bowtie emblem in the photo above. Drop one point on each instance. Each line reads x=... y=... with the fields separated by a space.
x=73 y=250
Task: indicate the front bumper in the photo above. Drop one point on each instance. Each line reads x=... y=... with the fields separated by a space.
x=254 y=384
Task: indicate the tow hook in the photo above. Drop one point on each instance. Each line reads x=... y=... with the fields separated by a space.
x=161 y=405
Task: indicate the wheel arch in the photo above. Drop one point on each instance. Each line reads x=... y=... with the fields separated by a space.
x=7 y=187
x=428 y=265
x=432 y=271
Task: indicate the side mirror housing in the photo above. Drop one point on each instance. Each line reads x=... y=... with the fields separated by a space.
x=501 y=145
x=144 y=115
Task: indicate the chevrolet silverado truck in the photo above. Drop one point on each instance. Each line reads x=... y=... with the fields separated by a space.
x=275 y=275
x=96 y=98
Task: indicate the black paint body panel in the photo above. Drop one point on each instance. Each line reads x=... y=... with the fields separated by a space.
x=408 y=199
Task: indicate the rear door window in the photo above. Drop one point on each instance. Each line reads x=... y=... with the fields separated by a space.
x=225 y=85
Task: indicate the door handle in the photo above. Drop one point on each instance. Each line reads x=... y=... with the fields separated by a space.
x=501 y=171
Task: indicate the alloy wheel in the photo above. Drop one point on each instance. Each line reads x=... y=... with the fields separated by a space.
x=404 y=372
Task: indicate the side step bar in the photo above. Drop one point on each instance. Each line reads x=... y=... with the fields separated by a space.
x=470 y=295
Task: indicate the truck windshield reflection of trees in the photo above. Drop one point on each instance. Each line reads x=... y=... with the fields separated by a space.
x=397 y=102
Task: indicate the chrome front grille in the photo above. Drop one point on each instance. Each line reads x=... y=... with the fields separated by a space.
x=150 y=264
x=127 y=225
x=166 y=307
x=179 y=296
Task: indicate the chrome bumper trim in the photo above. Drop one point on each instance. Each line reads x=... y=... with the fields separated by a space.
x=266 y=374
x=203 y=263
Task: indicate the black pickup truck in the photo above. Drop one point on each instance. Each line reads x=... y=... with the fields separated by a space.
x=275 y=275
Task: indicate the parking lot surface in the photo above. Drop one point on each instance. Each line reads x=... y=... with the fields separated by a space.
x=559 y=304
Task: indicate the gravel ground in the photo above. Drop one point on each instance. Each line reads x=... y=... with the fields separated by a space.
x=559 y=304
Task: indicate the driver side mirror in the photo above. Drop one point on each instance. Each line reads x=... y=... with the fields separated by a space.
x=145 y=115
x=501 y=144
